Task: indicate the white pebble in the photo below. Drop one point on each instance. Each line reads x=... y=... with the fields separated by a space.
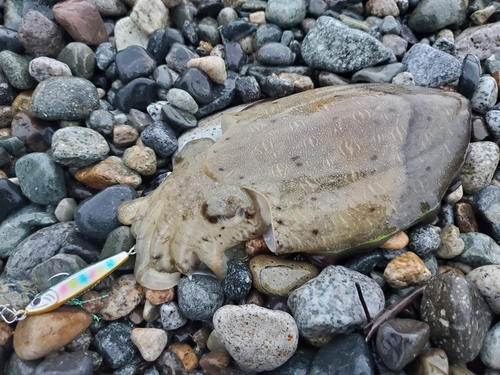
x=65 y=210
x=150 y=342
x=213 y=66
x=485 y=96
x=43 y=67
x=128 y=34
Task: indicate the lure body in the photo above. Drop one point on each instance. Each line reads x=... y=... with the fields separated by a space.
x=75 y=284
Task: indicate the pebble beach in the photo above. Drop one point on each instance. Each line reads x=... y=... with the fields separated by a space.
x=98 y=97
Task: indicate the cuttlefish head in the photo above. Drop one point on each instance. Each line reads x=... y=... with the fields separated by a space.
x=190 y=218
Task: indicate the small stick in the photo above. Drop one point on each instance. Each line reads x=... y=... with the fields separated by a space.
x=363 y=303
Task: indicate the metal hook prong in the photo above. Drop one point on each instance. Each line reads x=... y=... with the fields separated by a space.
x=59 y=274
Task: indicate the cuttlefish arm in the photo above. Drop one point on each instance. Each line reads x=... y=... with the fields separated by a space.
x=189 y=218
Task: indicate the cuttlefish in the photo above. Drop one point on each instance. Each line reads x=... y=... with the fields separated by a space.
x=334 y=170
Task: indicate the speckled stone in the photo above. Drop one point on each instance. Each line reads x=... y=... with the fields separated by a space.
x=329 y=303
x=16 y=291
x=149 y=15
x=432 y=362
x=487 y=280
x=487 y=201
x=277 y=276
x=199 y=296
x=480 y=250
x=405 y=270
x=492 y=118
x=42 y=68
x=110 y=171
x=128 y=34
x=491 y=348
x=114 y=344
x=457 y=315
x=399 y=341
x=424 y=240
x=479 y=166
x=332 y=46
x=285 y=13
x=122 y=298
x=481 y=41
x=150 y=342
x=266 y=339
x=64 y=98
x=430 y=16
x=140 y=159
x=171 y=316
x=485 y=96
x=465 y=217
x=16 y=68
x=161 y=138
x=76 y=146
x=451 y=243
x=80 y=363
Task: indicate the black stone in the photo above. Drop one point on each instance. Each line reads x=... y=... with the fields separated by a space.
x=9 y=41
x=337 y=5
x=80 y=363
x=190 y=33
x=180 y=13
x=197 y=84
x=46 y=135
x=380 y=366
x=235 y=56
x=236 y=29
x=223 y=95
x=275 y=54
x=344 y=355
x=173 y=36
x=158 y=46
x=96 y=217
x=266 y=34
x=407 y=34
x=5 y=158
x=7 y=92
x=238 y=280
x=424 y=240
x=457 y=314
x=179 y=119
x=275 y=87
x=161 y=138
x=208 y=31
x=100 y=80
x=134 y=62
x=154 y=183
x=469 y=78
x=11 y=198
x=298 y=364
x=111 y=72
x=178 y=57
x=365 y=263
x=248 y=89
x=138 y=94
x=286 y=38
x=77 y=244
x=209 y=8
x=114 y=344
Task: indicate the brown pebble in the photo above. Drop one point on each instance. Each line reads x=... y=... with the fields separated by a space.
x=496 y=77
x=94 y=301
x=141 y=159
x=38 y=335
x=2 y=175
x=405 y=270
x=157 y=297
x=214 y=363
x=5 y=333
x=110 y=171
x=433 y=362
x=300 y=83
x=136 y=316
x=445 y=268
x=123 y=297
x=5 y=132
x=382 y=8
x=22 y=102
x=82 y=21
x=465 y=218
x=396 y=242
x=255 y=297
x=186 y=354
x=206 y=46
x=256 y=246
x=200 y=337
x=27 y=129
x=124 y=135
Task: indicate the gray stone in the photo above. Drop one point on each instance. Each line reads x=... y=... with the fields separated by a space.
x=275 y=54
x=457 y=315
x=16 y=69
x=163 y=77
x=182 y=100
x=431 y=67
x=199 y=296
x=481 y=41
x=487 y=281
x=479 y=166
x=487 y=204
x=480 y=250
x=18 y=366
x=379 y=74
x=64 y=98
x=42 y=68
x=40 y=178
x=485 y=96
x=285 y=13
x=76 y=146
x=59 y=263
x=18 y=226
x=491 y=348
x=17 y=292
x=332 y=46
x=493 y=123
x=115 y=345
x=329 y=304
x=390 y=26
x=171 y=316
x=80 y=59
x=430 y=16
x=101 y=121
x=424 y=240
x=80 y=363
x=492 y=63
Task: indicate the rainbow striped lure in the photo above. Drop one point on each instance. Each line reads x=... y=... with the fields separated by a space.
x=67 y=289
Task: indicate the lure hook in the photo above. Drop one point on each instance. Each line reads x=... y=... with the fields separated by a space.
x=58 y=274
x=11 y=315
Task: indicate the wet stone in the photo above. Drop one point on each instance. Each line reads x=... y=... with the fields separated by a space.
x=469 y=78
x=248 y=89
x=67 y=363
x=405 y=270
x=122 y=298
x=275 y=54
x=479 y=166
x=64 y=98
x=16 y=69
x=399 y=341
x=16 y=291
x=451 y=243
x=169 y=363
x=487 y=281
x=18 y=366
x=479 y=250
x=160 y=137
x=182 y=100
x=136 y=94
x=424 y=240
x=364 y=50
x=485 y=95
x=40 y=178
x=7 y=95
x=431 y=67
x=208 y=31
x=267 y=33
x=11 y=198
x=114 y=344
x=105 y=55
x=333 y=296
x=190 y=33
x=163 y=77
x=457 y=315
x=179 y=119
x=178 y=57
x=59 y=263
x=346 y=354
x=238 y=280
x=78 y=147
x=197 y=84
x=199 y=296
x=278 y=277
x=9 y=40
x=236 y=29
x=487 y=201
x=380 y=74
x=235 y=57
x=97 y=217
x=266 y=339
x=40 y=36
x=171 y=316
x=275 y=87
x=80 y=58
x=133 y=62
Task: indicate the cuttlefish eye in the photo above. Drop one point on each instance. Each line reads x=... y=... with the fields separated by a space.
x=229 y=220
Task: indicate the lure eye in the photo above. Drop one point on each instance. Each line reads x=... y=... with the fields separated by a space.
x=36 y=301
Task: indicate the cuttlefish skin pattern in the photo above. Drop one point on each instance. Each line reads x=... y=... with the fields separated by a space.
x=324 y=171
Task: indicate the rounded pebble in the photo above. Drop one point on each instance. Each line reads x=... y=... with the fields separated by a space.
x=150 y=342
x=199 y=296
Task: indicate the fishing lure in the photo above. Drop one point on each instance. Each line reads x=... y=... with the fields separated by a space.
x=67 y=289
